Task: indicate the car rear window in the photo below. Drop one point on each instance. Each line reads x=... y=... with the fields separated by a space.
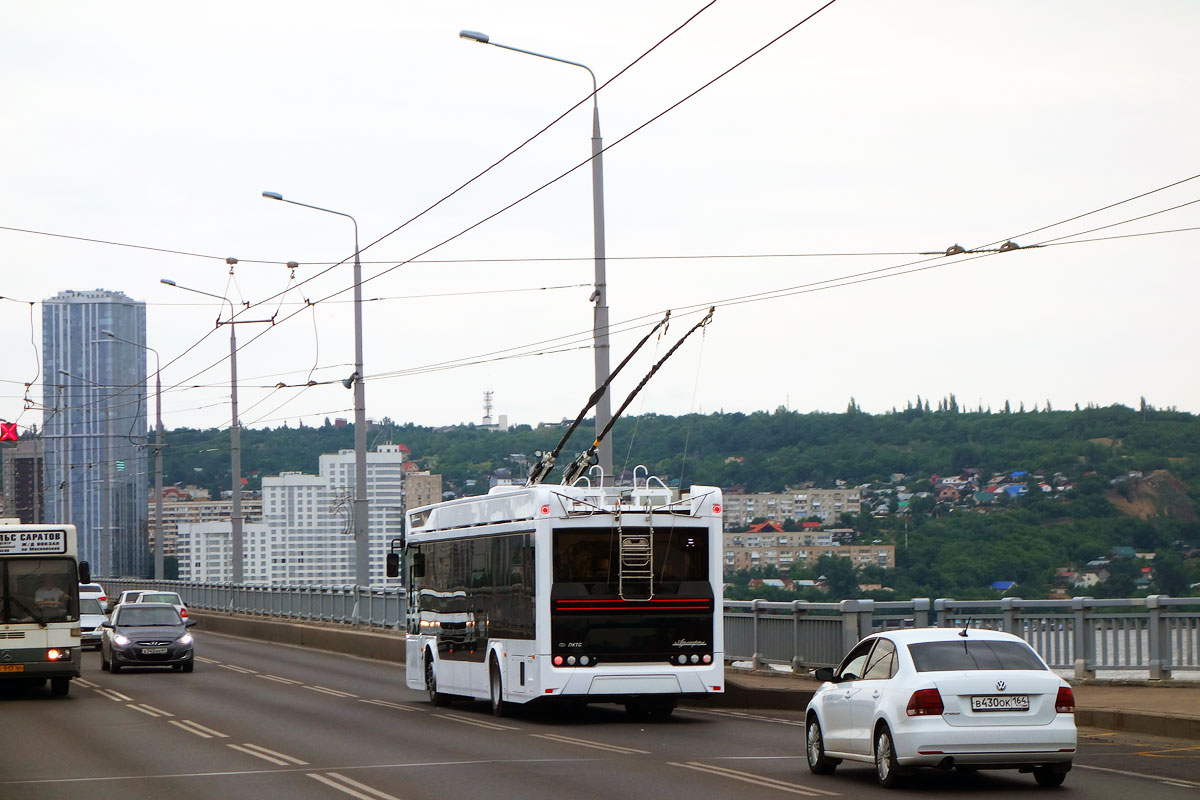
x=91 y=587
x=973 y=654
x=152 y=597
x=90 y=605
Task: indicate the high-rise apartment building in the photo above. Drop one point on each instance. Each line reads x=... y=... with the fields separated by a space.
x=23 y=481
x=94 y=427
x=306 y=535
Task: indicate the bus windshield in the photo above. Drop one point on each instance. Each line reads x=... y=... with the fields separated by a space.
x=37 y=590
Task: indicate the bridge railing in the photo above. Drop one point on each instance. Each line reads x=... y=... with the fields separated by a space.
x=1156 y=634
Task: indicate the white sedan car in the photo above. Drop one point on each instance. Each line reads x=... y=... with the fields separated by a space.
x=942 y=697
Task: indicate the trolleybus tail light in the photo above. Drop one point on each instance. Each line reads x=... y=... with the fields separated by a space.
x=707 y=659
x=925 y=703
x=55 y=654
x=545 y=510
x=716 y=508
x=558 y=661
x=1065 y=702
x=570 y=661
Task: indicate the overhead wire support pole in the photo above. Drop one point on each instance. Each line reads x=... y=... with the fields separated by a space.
x=235 y=433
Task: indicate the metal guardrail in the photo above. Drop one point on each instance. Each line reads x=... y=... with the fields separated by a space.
x=1156 y=634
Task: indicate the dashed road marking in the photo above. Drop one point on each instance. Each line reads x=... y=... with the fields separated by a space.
x=758 y=780
x=493 y=726
x=278 y=679
x=351 y=787
x=611 y=748
x=243 y=670
x=1155 y=778
x=114 y=695
x=207 y=660
x=198 y=729
x=279 y=759
x=334 y=692
x=386 y=704
x=744 y=715
x=86 y=683
x=150 y=710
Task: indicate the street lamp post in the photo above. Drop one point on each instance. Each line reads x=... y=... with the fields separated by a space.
x=362 y=542
x=600 y=292
x=235 y=433
x=158 y=454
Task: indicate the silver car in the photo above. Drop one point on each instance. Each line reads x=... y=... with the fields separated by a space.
x=91 y=621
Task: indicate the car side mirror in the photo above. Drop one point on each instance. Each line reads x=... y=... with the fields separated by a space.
x=191 y=623
x=824 y=674
x=107 y=624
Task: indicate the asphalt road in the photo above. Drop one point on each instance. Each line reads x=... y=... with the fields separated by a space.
x=258 y=720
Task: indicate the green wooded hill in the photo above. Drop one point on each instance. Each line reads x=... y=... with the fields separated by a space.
x=760 y=451
x=956 y=554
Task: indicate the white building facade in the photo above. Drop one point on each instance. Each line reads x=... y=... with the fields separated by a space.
x=306 y=533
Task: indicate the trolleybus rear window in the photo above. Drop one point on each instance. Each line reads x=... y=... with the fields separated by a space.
x=592 y=555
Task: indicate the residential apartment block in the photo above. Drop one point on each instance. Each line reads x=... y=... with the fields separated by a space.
x=186 y=508
x=781 y=550
x=306 y=532
x=828 y=505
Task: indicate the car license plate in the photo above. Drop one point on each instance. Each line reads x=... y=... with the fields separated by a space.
x=12 y=667
x=1000 y=702
x=153 y=651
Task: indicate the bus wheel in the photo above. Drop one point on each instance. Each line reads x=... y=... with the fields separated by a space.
x=59 y=687
x=435 y=697
x=496 y=690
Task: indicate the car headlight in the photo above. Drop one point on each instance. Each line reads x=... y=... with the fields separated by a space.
x=185 y=639
x=120 y=640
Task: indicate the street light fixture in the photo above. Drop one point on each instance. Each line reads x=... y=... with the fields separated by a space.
x=362 y=542
x=235 y=433
x=600 y=293
x=159 y=571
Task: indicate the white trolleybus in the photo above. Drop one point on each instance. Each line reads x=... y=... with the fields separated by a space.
x=39 y=604
x=566 y=593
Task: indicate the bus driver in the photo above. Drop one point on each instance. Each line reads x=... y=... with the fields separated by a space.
x=49 y=598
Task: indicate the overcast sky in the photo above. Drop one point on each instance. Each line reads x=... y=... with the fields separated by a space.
x=876 y=127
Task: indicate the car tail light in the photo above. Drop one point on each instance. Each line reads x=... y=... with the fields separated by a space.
x=925 y=703
x=183 y=613
x=1065 y=702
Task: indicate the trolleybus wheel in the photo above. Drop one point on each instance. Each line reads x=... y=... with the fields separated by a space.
x=435 y=697
x=496 y=690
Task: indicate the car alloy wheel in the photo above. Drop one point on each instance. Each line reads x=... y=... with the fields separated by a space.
x=817 y=762
x=886 y=767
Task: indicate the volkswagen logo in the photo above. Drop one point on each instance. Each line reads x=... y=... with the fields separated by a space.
x=1000 y=686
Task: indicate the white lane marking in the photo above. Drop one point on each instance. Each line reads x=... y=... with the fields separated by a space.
x=1155 y=778
x=243 y=670
x=158 y=711
x=278 y=679
x=744 y=715
x=144 y=709
x=612 y=748
x=493 y=726
x=207 y=660
x=113 y=695
x=86 y=683
x=198 y=729
x=348 y=786
x=92 y=779
x=333 y=692
x=276 y=758
x=758 y=780
x=386 y=704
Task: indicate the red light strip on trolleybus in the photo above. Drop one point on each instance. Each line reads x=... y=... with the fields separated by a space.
x=617 y=604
